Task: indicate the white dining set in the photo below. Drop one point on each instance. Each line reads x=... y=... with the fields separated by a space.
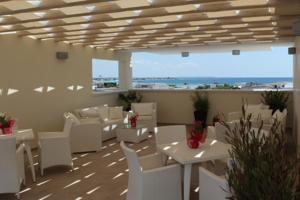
x=12 y=169
x=54 y=149
x=154 y=177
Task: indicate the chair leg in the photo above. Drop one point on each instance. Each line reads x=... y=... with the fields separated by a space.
x=213 y=162
x=42 y=171
x=18 y=195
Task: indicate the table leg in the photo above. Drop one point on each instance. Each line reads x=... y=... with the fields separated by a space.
x=29 y=155
x=187 y=181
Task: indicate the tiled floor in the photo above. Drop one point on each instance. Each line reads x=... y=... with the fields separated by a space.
x=96 y=176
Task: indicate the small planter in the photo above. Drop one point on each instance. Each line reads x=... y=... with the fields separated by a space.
x=7 y=131
x=193 y=143
x=133 y=123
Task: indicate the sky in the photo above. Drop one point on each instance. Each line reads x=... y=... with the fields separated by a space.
x=275 y=63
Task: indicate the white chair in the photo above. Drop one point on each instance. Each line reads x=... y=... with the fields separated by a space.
x=255 y=109
x=211 y=186
x=12 y=170
x=221 y=130
x=85 y=136
x=55 y=147
x=149 y=179
x=280 y=117
x=147 y=114
x=170 y=134
x=109 y=118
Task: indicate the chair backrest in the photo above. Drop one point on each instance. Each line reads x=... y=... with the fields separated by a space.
x=144 y=109
x=280 y=116
x=72 y=117
x=212 y=186
x=132 y=158
x=8 y=165
x=68 y=124
x=169 y=134
x=221 y=130
x=135 y=173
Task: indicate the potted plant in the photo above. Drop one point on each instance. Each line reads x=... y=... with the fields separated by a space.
x=6 y=124
x=276 y=100
x=201 y=106
x=260 y=167
x=197 y=134
x=133 y=120
x=130 y=97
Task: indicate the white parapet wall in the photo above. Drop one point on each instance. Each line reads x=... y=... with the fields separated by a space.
x=176 y=106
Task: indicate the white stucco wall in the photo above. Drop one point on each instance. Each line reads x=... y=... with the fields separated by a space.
x=26 y=64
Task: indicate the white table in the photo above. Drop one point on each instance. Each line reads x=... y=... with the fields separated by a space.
x=25 y=136
x=128 y=134
x=179 y=151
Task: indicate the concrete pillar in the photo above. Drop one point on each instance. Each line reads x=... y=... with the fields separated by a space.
x=297 y=92
x=125 y=72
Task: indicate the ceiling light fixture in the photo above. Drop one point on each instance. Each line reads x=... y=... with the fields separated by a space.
x=236 y=52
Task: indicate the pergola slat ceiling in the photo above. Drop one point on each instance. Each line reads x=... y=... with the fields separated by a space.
x=134 y=24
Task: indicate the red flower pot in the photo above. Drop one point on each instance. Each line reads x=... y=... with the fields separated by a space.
x=133 y=123
x=7 y=130
x=199 y=137
x=193 y=143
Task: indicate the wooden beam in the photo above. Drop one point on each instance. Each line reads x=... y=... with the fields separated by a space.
x=48 y=7
x=97 y=21
x=111 y=11
x=287 y=38
x=171 y=30
x=189 y=36
x=136 y=25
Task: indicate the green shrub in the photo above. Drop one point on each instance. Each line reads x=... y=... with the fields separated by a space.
x=261 y=168
x=275 y=99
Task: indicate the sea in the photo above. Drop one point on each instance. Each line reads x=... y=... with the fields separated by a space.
x=196 y=81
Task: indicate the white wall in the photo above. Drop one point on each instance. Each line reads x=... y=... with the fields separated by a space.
x=177 y=106
x=27 y=64
x=297 y=91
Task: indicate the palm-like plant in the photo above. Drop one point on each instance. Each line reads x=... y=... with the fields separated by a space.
x=201 y=106
x=261 y=167
x=130 y=97
x=275 y=99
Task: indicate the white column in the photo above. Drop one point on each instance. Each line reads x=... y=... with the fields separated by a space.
x=297 y=92
x=125 y=73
